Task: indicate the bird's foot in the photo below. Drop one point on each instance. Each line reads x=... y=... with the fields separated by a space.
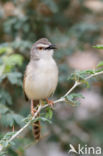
x=50 y=102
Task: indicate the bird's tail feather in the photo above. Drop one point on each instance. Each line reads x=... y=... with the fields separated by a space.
x=36 y=125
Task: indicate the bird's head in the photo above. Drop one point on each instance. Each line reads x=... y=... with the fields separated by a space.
x=42 y=49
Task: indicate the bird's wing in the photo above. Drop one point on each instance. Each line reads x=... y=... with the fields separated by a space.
x=26 y=98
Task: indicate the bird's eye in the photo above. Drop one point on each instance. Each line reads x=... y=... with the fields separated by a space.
x=40 y=48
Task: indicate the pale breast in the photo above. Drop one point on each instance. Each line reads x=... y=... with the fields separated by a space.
x=41 y=79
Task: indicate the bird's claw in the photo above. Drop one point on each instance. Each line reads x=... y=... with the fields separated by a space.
x=50 y=102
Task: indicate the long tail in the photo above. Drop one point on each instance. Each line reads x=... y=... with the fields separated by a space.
x=36 y=125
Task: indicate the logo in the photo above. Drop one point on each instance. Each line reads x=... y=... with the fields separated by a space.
x=85 y=150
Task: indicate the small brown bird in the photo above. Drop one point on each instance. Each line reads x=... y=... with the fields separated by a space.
x=41 y=77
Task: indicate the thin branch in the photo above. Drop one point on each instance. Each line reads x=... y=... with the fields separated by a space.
x=62 y=99
x=74 y=86
x=94 y=75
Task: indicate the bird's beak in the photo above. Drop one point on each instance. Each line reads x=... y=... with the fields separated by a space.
x=52 y=46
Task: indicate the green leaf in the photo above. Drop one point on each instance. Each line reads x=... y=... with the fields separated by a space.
x=14 y=59
x=49 y=113
x=2 y=67
x=3 y=153
x=73 y=99
x=7 y=120
x=9 y=117
x=86 y=83
x=15 y=78
x=99 y=70
x=5 y=49
x=3 y=109
x=5 y=97
x=8 y=135
x=4 y=140
x=100 y=64
x=44 y=119
x=77 y=95
x=98 y=46
x=27 y=119
x=81 y=75
x=18 y=119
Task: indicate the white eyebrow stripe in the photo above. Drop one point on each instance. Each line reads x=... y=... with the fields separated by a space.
x=42 y=45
